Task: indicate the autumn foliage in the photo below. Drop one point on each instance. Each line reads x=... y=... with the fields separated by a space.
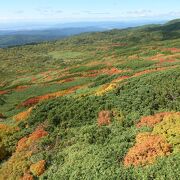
x=3 y=92
x=30 y=102
x=19 y=162
x=22 y=115
x=104 y=118
x=150 y=121
x=5 y=129
x=163 y=139
x=147 y=148
x=38 y=168
x=169 y=128
x=34 y=100
x=106 y=88
x=26 y=142
x=27 y=176
x=16 y=165
x=20 y=88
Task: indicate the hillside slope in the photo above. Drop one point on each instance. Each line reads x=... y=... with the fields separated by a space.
x=96 y=106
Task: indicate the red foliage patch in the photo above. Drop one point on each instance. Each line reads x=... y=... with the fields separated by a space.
x=4 y=92
x=37 y=134
x=173 y=50
x=104 y=118
x=30 y=101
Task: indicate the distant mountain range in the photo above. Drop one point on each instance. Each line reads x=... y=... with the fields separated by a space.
x=13 y=38
x=28 y=33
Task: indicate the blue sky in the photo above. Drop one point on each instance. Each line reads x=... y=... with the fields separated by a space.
x=87 y=10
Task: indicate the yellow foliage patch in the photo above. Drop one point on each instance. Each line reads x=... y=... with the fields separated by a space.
x=169 y=128
x=38 y=168
x=106 y=88
x=16 y=165
x=22 y=115
x=5 y=129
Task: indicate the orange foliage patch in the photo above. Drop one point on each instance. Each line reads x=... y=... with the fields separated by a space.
x=23 y=115
x=20 y=88
x=26 y=142
x=147 y=148
x=150 y=121
x=27 y=176
x=7 y=129
x=38 y=168
x=104 y=118
x=22 y=144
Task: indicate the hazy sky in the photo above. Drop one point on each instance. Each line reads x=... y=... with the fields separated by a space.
x=83 y=10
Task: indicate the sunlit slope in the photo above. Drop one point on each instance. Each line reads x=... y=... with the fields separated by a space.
x=95 y=106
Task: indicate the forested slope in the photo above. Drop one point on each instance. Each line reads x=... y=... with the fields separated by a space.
x=96 y=106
